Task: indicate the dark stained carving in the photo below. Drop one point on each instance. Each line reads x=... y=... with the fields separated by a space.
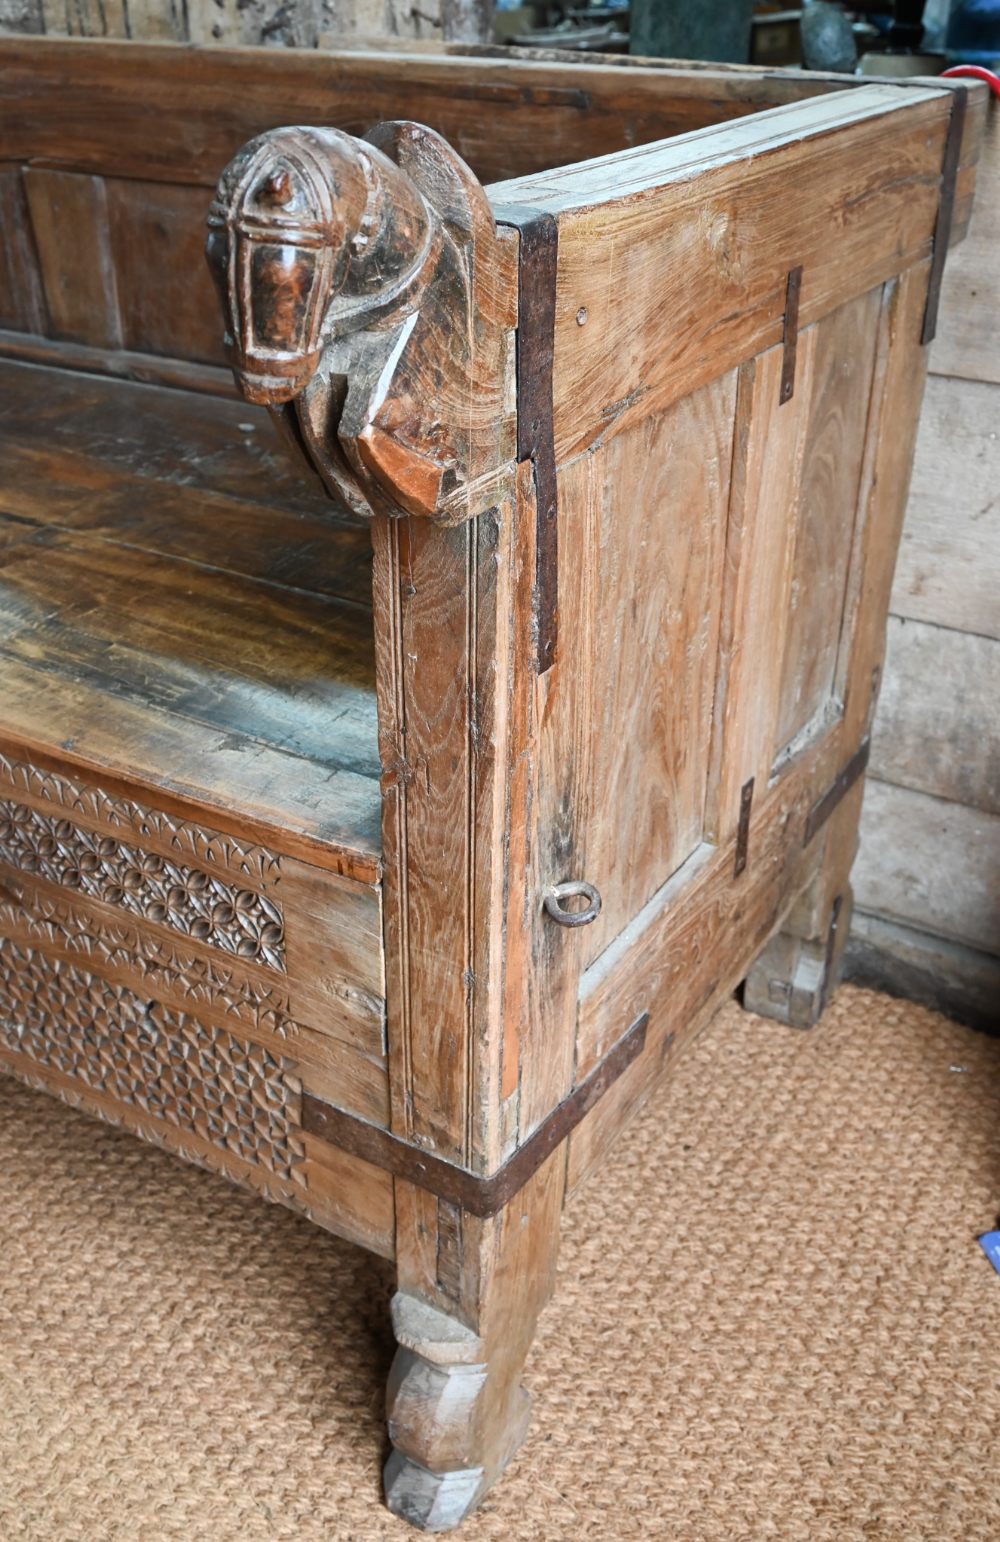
x=199 y=1079
x=357 y=282
x=186 y=899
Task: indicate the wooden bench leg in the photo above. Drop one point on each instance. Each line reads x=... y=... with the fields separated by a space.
x=796 y=974
x=455 y=1406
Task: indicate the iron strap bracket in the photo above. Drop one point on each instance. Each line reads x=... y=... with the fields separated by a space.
x=480 y=1196
x=842 y=784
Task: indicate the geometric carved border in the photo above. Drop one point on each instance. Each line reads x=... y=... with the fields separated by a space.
x=232 y=1094
x=119 y=813
x=160 y=963
x=197 y=904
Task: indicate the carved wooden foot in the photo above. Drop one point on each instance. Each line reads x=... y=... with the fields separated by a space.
x=450 y=1439
x=470 y=1291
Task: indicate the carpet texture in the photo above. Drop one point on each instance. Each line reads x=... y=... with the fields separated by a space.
x=772 y=1320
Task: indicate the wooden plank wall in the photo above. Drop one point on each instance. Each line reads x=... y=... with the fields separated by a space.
x=927 y=879
x=287 y=23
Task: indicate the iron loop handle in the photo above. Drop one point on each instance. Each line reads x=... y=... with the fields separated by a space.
x=556 y=895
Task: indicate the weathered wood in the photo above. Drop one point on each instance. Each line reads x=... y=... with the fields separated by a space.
x=949 y=560
x=121 y=624
x=964 y=347
x=649 y=523
x=827 y=503
x=932 y=864
x=22 y=301
x=166 y=300
x=949 y=977
x=69 y=220
x=768 y=448
x=481 y=1197
x=674 y=298
x=291 y=760
x=455 y=1406
x=507 y=116
x=946 y=679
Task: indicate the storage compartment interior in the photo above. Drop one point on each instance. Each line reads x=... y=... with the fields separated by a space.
x=178 y=605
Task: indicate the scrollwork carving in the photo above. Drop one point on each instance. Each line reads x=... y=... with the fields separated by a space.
x=359 y=283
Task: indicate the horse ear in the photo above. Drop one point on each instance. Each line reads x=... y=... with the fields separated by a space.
x=441 y=176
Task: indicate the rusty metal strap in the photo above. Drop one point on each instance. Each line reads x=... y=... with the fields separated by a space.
x=845 y=780
x=946 y=209
x=536 y=334
x=478 y=1195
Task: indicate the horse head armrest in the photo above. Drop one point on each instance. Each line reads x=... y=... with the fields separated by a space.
x=361 y=285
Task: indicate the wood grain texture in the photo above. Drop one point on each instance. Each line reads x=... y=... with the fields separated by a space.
x=165 y=293
x=928 y=863
x=827 y=506
x=69 y=220
x=756 y=583
x=965 y=348
x=896 y=394
x=551 y=111
x=949 y=559
x=672 y=959
x=124 y=622
x=644 y=520
x=679 y=253
x=945 y=680
x=22 y=299
x=443 y=607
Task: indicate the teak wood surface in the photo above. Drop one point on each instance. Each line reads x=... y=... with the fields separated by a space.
x=550 y=542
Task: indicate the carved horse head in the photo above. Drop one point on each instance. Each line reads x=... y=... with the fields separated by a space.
x=348 y=272
x=309 y=233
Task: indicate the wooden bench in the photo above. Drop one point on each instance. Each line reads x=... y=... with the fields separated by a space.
x=579 y=578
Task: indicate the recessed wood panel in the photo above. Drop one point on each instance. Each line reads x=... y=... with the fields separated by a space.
x=22 y=303
x=642 y=532
x=829 y=487
x=69 y=217
x=168 y=302
x=769 y=446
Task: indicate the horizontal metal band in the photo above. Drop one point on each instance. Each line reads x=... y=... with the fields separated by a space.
x=480 y=1196
x=846 y=778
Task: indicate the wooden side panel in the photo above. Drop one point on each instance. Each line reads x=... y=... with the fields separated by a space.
x=689 y=944
x=643 y=522
x=843 y=360
x=168 y=303
x=22 y=302
x=678 y=254
x=70 y=220
x=768 y=451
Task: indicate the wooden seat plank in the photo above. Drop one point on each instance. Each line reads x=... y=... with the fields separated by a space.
x=181 y=611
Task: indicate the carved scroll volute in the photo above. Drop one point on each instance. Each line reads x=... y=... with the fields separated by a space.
x=369 y=306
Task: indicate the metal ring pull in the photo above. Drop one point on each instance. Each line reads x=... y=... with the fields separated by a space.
x=556 y=895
